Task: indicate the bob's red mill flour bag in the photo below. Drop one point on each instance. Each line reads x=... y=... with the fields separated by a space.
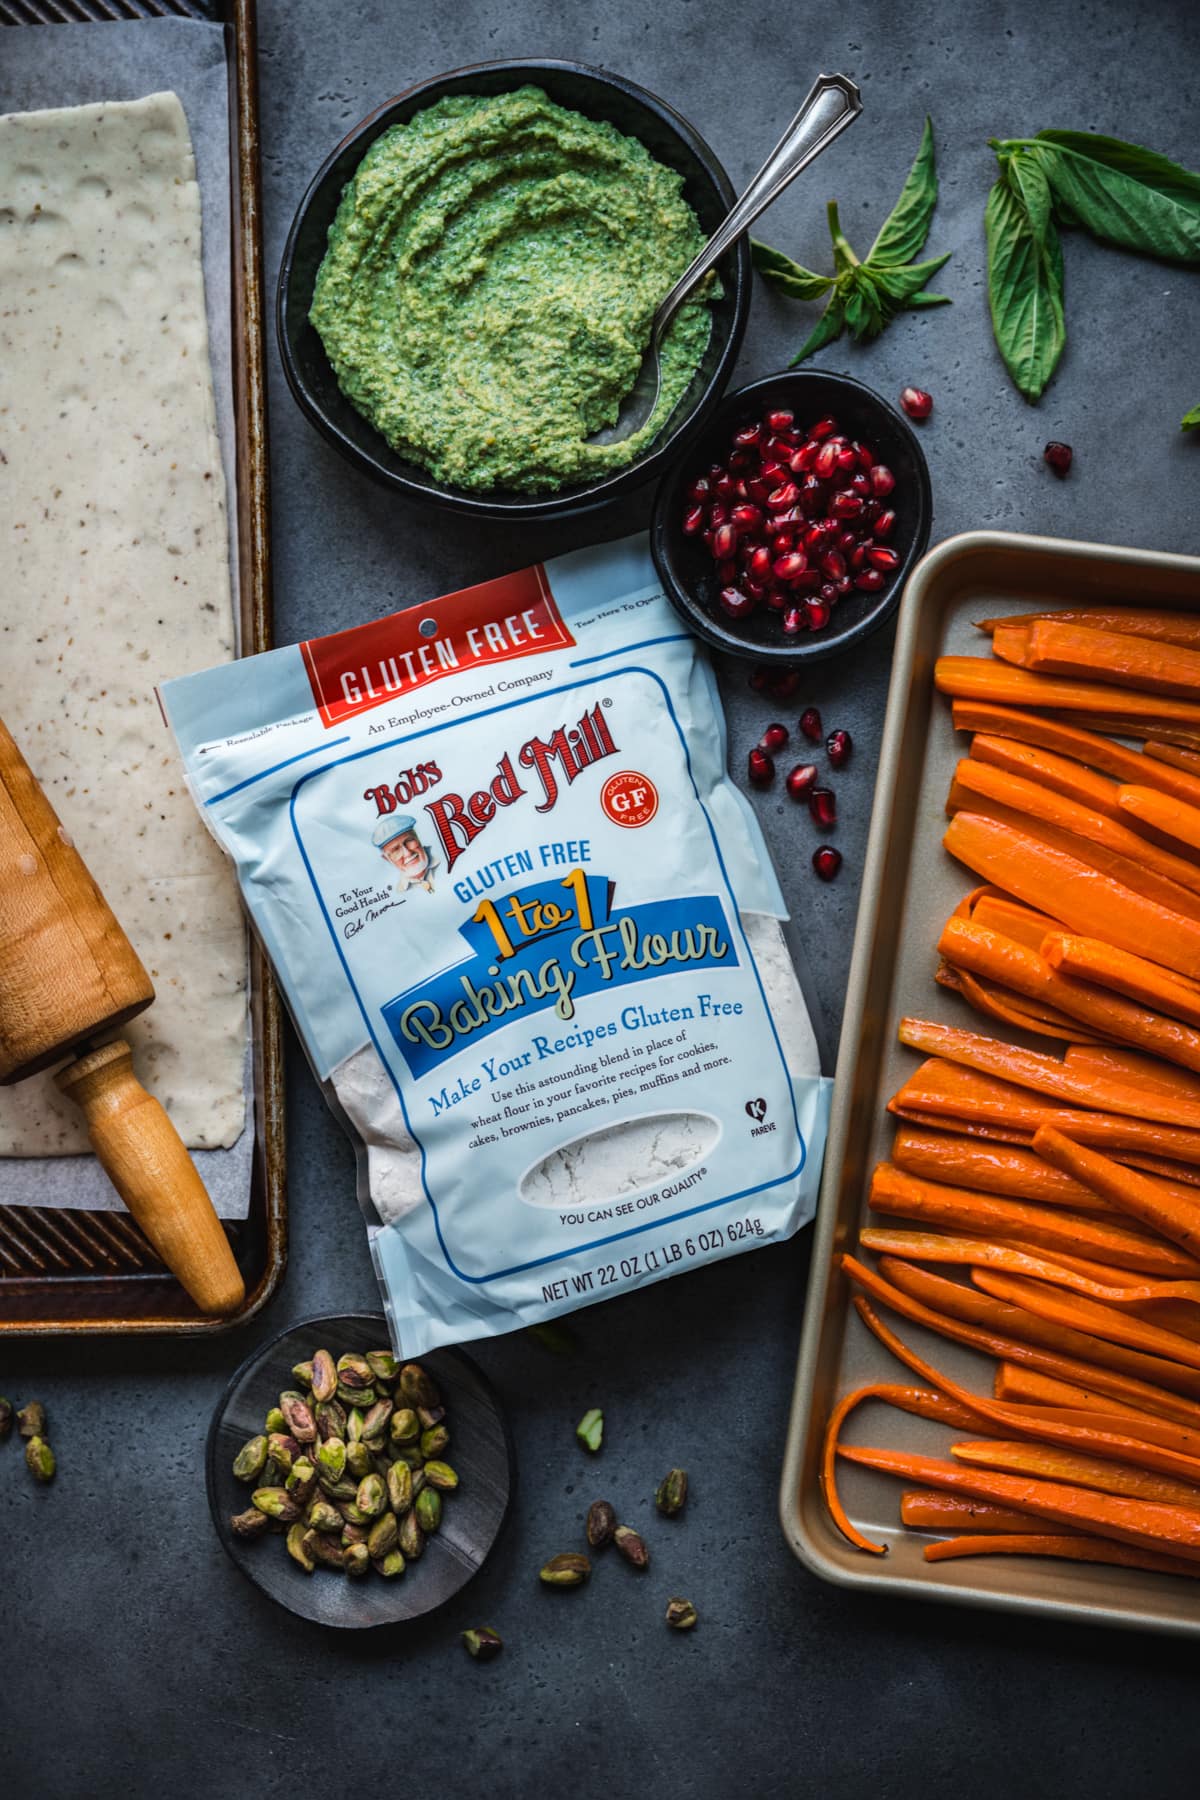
x=530 y=935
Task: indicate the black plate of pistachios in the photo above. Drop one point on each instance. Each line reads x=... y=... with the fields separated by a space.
x=353 y=1488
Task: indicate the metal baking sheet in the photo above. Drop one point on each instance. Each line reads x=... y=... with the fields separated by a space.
x=910 y=885
x=74 y=1271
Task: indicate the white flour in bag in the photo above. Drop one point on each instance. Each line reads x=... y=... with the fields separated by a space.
x=530 y=935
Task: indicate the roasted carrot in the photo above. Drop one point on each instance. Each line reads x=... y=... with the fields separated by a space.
x=1166 y=627
x=1147 y=1200
x=1022 y=1458
x=983 y=1132
x=1148 y=666
x=1175 y=819
x=1019 y=1259
x=1067 y=1548
x=1090 y=1433
x=1174 y=756
x=1171 y=733
x=1161 y=1166
x=925 y=1403
x=1080 y=1314
x=1071 y=779
x=1069 y=738
x=1017 y=1174
x=1013 y=1334
x=927 y=1510
x=1027 y=1387
x=1021 y=923
x=975 y=678
x=980 y=785
x=1009 y=1008
x=1091 y=959
x=1092 y=904
x=973 y=949
x=1044 y=1074
x=1136 y=1067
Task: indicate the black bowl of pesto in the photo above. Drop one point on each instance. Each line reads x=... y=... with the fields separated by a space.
x=467 y=286
x=690 y=577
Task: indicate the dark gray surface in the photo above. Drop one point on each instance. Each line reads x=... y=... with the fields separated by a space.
x=137 y=1661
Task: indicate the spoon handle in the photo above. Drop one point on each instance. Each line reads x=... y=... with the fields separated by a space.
x=832 y=103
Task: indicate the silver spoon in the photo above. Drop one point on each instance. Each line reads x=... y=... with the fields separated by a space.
x=833 y=102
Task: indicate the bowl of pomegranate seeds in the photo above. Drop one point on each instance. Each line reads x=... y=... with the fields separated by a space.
x=787 y=529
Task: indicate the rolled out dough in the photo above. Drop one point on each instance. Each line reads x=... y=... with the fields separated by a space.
x=114 y=571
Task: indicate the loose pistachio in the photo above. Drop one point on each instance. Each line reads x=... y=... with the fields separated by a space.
x=383 y=1535
x=391 y=1565
x=302 y=1481
x=324 y=1381
x=353 y=1534
x=277 y=1503
x=331 y=1419
x=31 y=1420
x=356 y=1397
x=352 y=1513
x=428 y=1508
x=434 y=1441
x=283 y=1450
x=601 y=1523
x=410 y=1537
x=590 y=1429
x=430 y=1416
x=354 y=1425
x=358 y=1460
x=382 y=1365
x=274 y=1421
x=322 y=1549
x=440 y=1475
x=372 y=1495
x=482 y=1643
x=681 y=1614
x=39 y=1458
x=672 y=1492
x=303 y=1371
x=405 y=1427
x=354 y=1371
x=416 y=1388
x=299 y=1416
x=250 y=1460
x=331 y=1459
x=568 y=1569
x=375 y=1419
x=321 y=1516
x=632 y=1546
x=399 y=1487
x=356 y=1560
x=295 y=1547
x=337 y=1490
x=249 y=1524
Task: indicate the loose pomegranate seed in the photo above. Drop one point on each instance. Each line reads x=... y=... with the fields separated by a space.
x=699 y=490
x=814 y=537
x=760 y=768
x=725 y=487
x=781 y=420
x=884 y=523
x=858 y=557
x=827 y=861
x=724 y=541
x=778 y=597
x=870 y=581
x=866 y=457
x=825 y=461
x=787 y=568
x=847 y=458
x=843 y=585
x=781 y=498
x=882 y=480
x=810 y=724
x=818 y=614
x=823 y=428
x=693 y=521
x=847 y=505
x=823 y=807
x=880 y=557
x=916 y=402
x=860 y=484
x=746 y=517
x=748 y=436
x=793 y=621
x=741 y=459
x=757 y=590
x=838 y=746
x=846 y=539
x=833 y=563
x=811 y=494
x=802 y=461
x=735 y=602
x=718 y=514
x=760 y=563
x=1058 y=457
x=801 y=780
x=828 y=592
x=773 y=738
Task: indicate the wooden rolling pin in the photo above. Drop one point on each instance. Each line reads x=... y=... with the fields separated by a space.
x=68 y=977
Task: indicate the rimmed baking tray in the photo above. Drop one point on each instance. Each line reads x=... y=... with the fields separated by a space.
x=67 y=1271
x=910 y=885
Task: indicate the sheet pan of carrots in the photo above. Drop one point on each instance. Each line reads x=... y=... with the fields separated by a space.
x=1008 y=1248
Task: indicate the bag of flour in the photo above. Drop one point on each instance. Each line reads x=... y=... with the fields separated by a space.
x=530 y=936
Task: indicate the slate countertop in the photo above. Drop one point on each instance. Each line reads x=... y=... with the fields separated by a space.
x=137 y=1661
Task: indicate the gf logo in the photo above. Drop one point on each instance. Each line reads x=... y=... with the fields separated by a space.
x=757 y=1110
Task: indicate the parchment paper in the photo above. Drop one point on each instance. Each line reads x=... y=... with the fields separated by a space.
x=76 y=65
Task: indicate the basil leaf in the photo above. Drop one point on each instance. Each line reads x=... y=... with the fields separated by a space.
x=1025 y=289
x=1026 y=177
x=864 y=313
x=788 y=276
x=1152 y=212
x=901 y=286
x=1190 y=420
x=904 y=231
x=928 y=299
x=827 y=328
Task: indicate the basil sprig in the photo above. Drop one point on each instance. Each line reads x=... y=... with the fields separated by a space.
x=865 y=296
x=1120 y=193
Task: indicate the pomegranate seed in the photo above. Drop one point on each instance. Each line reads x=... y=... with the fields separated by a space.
x=825 y=461
x=823 y=428
x=823 y=807
x=860 y=484
x=814 y=537
x=747 y=517
x=843 y=585
x=1058 y=457
x=884 y=523
x=699 y=490
x=787 y=568
x=847 y=505
x=781 y=420
x=758 y=489
x=757 y=590
x=882 y=480
x=760 y=768
x=724 y=541
x=828 y=592
x=741 y=459
x=748 y=436
x=793 y=621
x=760 y=563
x=838 y=746
x=778 y=597
x=858 y=557
x=780 y=498
x=870 y=581
x=736 y=604
x=774 y=472
x=693 y=521
x=801 y=780
x=717 y=515
x=773 y=738
x=916 y=402
x=818 y=613
x=866 y=458
x=782 y=684
x=847 y=458
x=880 y=557
x=811 y=494
x=833 y=563
x=827 y=861
x=803 y=460
x=725 y=487
x=810 y=724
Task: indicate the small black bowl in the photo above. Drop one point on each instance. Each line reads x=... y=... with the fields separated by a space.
x=687 y=571
x=480 y=1450
x=599 y=95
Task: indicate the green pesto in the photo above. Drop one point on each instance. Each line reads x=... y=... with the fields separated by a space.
x=486 y=296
